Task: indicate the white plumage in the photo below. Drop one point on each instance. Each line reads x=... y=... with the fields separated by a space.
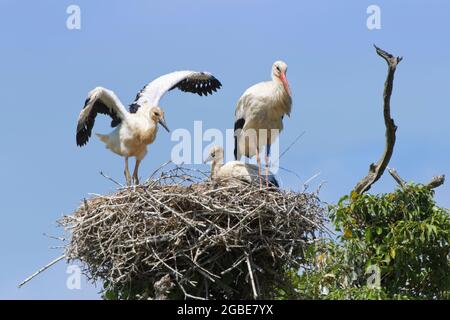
x=234 y=169
x=137 y=128
x=259 y=115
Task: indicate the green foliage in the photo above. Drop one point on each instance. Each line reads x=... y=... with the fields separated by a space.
x=401 y=239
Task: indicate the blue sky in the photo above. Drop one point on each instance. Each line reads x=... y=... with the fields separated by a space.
x=337 y=80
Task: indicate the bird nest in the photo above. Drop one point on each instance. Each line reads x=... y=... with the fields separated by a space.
x=179 y=236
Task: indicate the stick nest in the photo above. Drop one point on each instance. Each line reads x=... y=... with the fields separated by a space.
x=179 y=236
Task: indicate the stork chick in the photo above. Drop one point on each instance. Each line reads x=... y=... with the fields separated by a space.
x=234 y=169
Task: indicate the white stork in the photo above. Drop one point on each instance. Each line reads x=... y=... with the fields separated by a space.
x=234 y=169
x=137 y=128
x=259 y=116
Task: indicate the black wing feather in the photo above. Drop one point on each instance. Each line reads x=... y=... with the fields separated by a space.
x=134 y=106
x=199 y=86
x=238 y=124
x=84 y=128
x=193 y=84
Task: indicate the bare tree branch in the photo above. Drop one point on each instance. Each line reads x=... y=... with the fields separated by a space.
x=377 y=170
x=434 y=183
x=397 y=178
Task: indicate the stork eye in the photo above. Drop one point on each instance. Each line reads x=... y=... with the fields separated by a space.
x=278 y=68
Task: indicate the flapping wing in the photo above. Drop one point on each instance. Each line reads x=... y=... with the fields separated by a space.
x=202 y=83
x=99 y=100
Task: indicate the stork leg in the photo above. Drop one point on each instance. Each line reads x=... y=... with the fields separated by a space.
x=135 y=172
x=267 y=164
x=258 y=160
x=127 y=172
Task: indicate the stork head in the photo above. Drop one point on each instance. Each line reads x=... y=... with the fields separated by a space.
x=157 y=115
x=215 y=155
x=279 y=69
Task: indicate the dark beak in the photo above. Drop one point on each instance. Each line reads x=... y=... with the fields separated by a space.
x=209 y=159
x=163 y=123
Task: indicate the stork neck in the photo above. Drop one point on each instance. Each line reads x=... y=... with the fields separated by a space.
x=215 y=167
x=277 y=81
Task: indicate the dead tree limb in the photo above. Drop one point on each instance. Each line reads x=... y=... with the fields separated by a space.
x=377 y=170
x=435 y=182
x=397 y=178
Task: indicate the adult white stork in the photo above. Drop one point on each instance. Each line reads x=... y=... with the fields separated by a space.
x=259 y=116
x=234 y=169
x=137 y=128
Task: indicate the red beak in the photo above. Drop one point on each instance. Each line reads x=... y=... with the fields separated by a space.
x=285 y=83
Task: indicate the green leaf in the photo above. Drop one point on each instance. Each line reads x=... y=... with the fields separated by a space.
x=393 y=253
x=347 y=233
x=422 y=237
x=368 y=235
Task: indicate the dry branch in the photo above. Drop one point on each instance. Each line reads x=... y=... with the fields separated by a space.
x=377 y=170
x=397 y=178
x=180 y=237
x=435 y=182
x=48 y=265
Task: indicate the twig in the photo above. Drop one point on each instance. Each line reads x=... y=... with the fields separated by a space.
x=292 y=172
x=54 y=237
x=306 y=183
x=291 y=145
x=41 y=270
x=159 y=168
x=250 y=272
x=111 y=179
x=187 y=295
